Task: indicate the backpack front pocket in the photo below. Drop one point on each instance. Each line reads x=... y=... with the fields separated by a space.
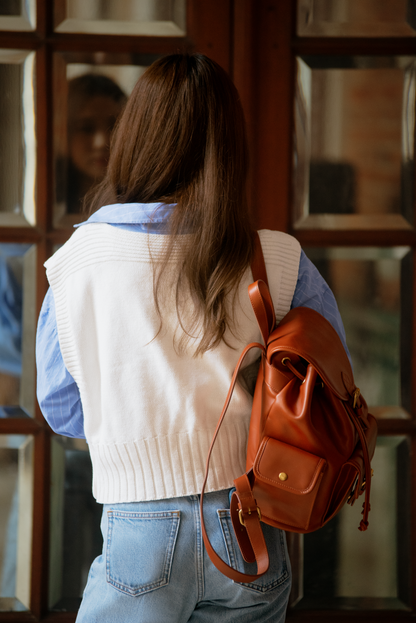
x=287 y=481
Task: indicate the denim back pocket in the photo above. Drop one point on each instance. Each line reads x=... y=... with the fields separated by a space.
x=279 y=570
x=140 y=549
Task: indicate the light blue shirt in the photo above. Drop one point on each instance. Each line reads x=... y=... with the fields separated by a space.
x=57 y=392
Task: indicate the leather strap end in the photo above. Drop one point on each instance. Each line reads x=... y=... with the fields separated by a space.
x=240 y=531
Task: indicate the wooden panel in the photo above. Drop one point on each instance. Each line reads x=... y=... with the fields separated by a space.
x=359 y=46
x=273 y=109
x=243 y=75
x=337 y=616
x=209 y=29
x=43 y=137
x=40 y=549
x=117 y=43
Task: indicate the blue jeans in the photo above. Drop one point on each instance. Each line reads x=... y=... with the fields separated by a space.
x=154 y=567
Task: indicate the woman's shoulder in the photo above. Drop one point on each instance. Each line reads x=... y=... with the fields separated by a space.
x=278 y=246
x=84 y=243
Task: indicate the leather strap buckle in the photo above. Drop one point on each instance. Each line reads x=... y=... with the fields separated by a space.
x=241 y=516
x=365 y=481
x=356 y=394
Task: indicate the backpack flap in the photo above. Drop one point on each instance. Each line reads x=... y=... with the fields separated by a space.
x=307 y=334
x=286 y=483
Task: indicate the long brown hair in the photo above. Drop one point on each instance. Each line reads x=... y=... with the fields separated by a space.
x=181 y=139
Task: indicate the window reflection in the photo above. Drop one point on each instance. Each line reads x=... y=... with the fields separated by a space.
x=345 y=568
x=126 y=17
x=94 y=103
x=357 y=18
x=17 y=14
x=10 y=7
x=75 y=523
x=373 y=291
x=16 y=500
x=354 y=142
x=90 y=94
x=17 y=293
x=17 y=138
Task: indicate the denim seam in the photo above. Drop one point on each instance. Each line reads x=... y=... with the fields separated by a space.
x=199 y=550
x=223 y=516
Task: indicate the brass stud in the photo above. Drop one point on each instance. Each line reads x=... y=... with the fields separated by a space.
x=283 y=476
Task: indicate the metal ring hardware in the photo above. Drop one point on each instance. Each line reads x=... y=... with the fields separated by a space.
x=286 y=361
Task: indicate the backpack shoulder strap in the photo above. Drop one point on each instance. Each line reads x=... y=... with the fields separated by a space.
x=259 y=292
x=258 y=266
x=254 y=546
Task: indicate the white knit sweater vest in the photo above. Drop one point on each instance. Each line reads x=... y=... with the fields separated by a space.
x=149 y=412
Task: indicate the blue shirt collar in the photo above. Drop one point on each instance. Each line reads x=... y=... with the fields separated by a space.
x=131 y=213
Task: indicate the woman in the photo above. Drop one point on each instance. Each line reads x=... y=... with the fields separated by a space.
x=138 y=338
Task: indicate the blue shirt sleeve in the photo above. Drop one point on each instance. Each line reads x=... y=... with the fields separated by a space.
x=58 y=394
x=312 y=291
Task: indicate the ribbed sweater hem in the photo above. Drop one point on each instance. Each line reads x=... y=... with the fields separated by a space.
x=167 y=466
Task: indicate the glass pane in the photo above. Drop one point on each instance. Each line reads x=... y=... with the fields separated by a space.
x=354 y=163
x=166 y=18
x=90 y=92
x=75 y=538
x=17 y=329
x=356 y=18
x=16 y=508
x=373 y=290
x=346 y=568
x=17 y=138
x=17 y=15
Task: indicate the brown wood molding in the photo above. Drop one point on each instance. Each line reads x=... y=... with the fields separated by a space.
x=355 y=46
x=351 y=238
x=273 y=105
x=209 y=29
x=21 y=426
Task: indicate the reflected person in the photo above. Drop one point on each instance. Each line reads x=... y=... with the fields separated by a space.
x=94 y=103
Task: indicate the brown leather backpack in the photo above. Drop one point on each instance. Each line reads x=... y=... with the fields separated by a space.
x=311 y=437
